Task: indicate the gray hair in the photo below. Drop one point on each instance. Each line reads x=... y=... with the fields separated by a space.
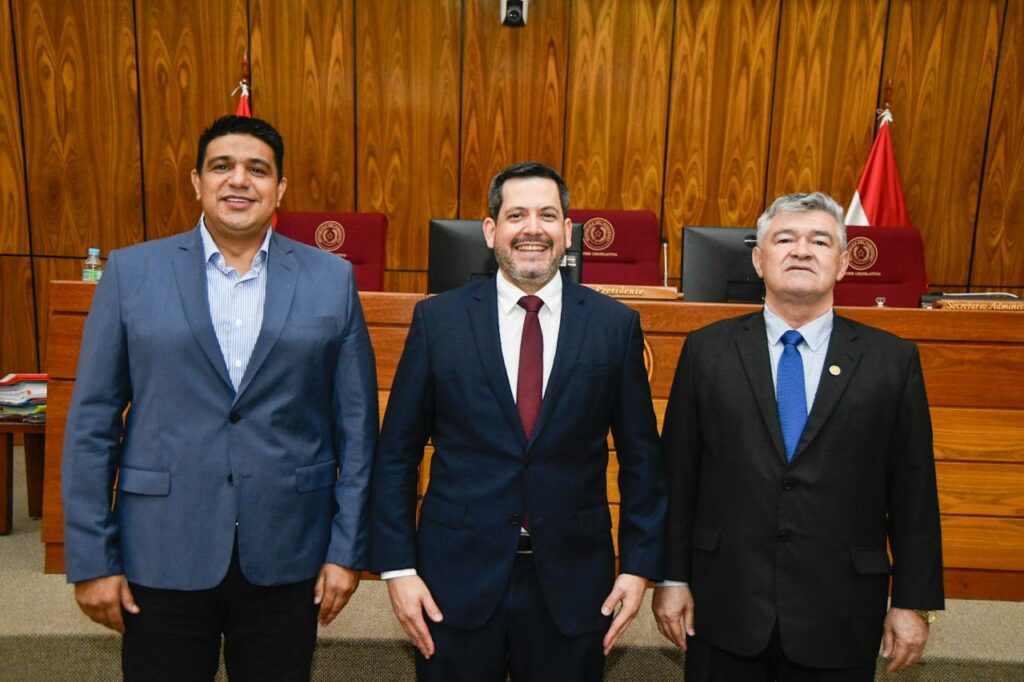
x=803 y=203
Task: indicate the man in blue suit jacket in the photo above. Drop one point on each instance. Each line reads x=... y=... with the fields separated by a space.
x=513 y=560
x=246 y=362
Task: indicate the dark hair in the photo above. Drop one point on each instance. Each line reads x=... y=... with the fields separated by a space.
x=525 y=169
x=242 y=125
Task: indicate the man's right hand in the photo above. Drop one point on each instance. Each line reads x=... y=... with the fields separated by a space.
x=409 y=599
x=102 y=598
x=673 y=610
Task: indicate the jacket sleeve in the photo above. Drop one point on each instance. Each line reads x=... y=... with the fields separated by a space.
x=92 y=436
x=641 y=484
x=407 y=425
x=356 y=413
x=915 y=536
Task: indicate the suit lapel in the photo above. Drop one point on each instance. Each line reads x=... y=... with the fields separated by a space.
x=844 y=354
x=483 y=319
x=752 y=345
x=190 y=274
x=571 y=329
x=282 y=273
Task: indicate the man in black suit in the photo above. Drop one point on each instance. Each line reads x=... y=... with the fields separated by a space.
x=797 y=443
x=516 y=381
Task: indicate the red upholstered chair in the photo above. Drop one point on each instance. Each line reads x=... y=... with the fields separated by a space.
x=620 y=247
x=359 y=237
x=884 y=261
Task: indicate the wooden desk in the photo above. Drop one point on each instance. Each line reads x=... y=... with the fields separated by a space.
x=35 y=439
x=974 y=370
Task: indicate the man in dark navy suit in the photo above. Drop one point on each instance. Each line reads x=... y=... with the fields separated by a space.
x=516 y=380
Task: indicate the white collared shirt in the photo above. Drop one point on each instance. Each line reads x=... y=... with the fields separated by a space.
x=812 y=349
x=236 y=303
x=512 y=316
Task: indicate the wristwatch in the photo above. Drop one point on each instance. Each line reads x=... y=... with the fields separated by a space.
x=929 y=617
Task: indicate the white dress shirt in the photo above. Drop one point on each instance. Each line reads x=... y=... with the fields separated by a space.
x=511 y=317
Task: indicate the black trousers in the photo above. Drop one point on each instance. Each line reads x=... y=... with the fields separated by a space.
x=520 y=640
x=707 y=663
x=269 y=632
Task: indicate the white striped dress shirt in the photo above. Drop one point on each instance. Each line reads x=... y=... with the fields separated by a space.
x=236 y=303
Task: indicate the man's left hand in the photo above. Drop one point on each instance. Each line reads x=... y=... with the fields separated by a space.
x=904 y=635
x=334 y=586
x=629 y=591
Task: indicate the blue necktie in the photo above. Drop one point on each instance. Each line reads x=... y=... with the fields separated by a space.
x=790 y=392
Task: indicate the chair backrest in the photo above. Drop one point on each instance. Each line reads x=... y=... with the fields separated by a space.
x=359 y=237
x=884 y=261
x=620 y=247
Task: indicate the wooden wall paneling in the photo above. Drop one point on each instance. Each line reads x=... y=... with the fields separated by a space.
x=405 y=281
x=999 y=238
x=826 y=89
x=973 y=375
x=617 y=102
x=48 y=270
x=941 y=57
x=17 y=318
x=966 y=434
x=303 y=82
x=719 y=115
x=513 y=94
x=13 y=213
x=407 y=116
x=983 y=542
x=977 y=489
x=81 y=121
x=190 y=59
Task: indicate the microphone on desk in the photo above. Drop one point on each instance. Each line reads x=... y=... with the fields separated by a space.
x=664 y=262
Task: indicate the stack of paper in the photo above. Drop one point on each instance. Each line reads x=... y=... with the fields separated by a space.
x=23 y=397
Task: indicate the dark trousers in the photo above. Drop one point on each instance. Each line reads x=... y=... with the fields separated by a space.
x=269 y=632
x=520 y=640
x=707 y=663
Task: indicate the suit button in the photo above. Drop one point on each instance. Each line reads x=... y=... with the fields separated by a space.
x=231 y=479
x=787 y=484
x=515 y=519
x=783 y=536
x=234 y=417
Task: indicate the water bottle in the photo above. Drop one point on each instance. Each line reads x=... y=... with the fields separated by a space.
x=92 y=267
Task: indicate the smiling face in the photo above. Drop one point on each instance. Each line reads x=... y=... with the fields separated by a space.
x=238 y=188
x=530 y=235
x=800 y=260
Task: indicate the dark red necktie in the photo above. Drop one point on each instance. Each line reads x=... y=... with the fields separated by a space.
x=531 y=365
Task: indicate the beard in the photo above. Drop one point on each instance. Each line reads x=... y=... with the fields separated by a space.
x=530 y=275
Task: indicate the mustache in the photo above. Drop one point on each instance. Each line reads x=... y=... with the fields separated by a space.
x=539 y=239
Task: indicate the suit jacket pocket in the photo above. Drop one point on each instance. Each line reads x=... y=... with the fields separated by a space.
x=144 y=481
x=870 y=561
x=705 y=538
x=444 y=513
x=316 y=476
x=594 y=519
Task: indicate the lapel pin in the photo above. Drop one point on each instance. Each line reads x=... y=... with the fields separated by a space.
x=834 y=370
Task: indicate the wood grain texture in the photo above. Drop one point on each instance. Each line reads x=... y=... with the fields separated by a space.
x=190 y=59
x=404 y=281
x=617 y=102
x=304 y=83
x=81 y=120
x=47 y=271
x=965 y=583
x=58 y=400
x=826 y=86
x=973 y=375
x=408 y=119
x=969 y=434
x=982 y=542
x=513 y=94
x=941 y=57
x=999 y=238
x=974 y=488
x=720 y=110
x=13 y=212
x=17 y=342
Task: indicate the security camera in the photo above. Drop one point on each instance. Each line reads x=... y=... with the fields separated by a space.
x=513 y=12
